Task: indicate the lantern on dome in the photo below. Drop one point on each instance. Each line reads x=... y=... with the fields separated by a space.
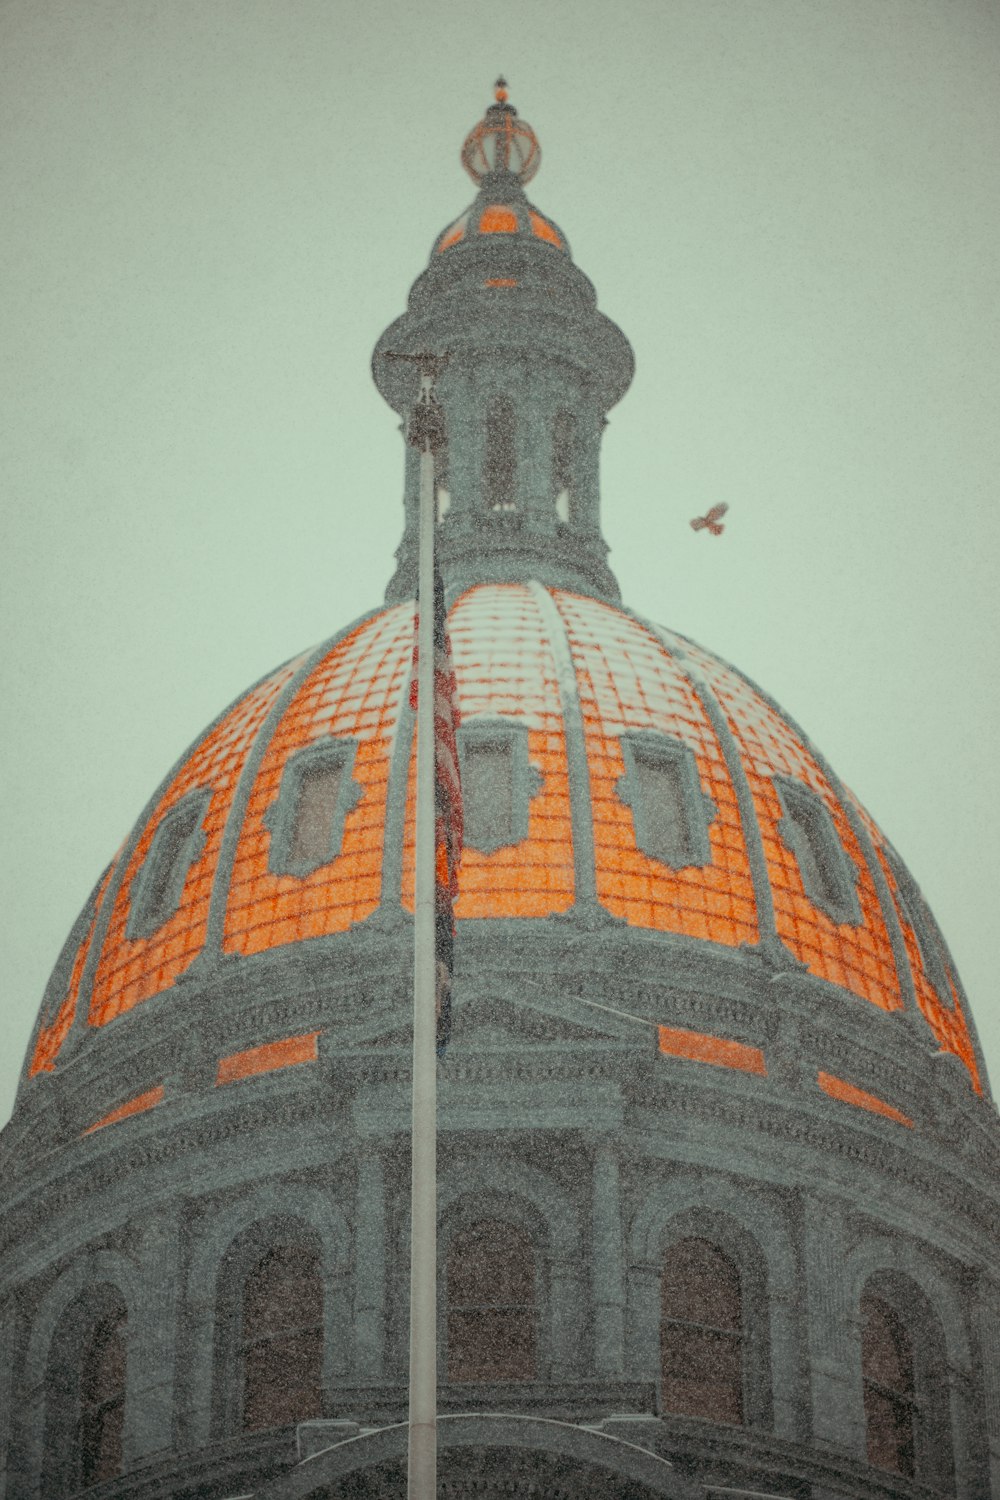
x=501 y=143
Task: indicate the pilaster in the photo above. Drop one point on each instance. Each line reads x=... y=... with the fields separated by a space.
x=834 y=1334
x=369 y=1268
x=607 y=1267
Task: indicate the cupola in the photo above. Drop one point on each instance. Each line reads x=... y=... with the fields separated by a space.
x=532 y=370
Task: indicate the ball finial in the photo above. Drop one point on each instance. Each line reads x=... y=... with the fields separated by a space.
x=501 y=142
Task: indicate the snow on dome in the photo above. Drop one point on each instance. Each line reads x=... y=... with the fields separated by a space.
x=605 y=721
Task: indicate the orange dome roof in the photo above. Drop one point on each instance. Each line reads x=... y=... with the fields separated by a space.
x=597 y=695
x=518 y=218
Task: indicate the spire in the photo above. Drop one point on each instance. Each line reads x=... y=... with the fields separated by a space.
x=533 y=368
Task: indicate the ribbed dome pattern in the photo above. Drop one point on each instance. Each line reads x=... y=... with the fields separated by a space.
x=584 y=682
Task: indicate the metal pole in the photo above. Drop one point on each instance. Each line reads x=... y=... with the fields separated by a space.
x=421 y=1481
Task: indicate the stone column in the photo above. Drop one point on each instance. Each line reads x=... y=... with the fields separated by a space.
x=607 y=1269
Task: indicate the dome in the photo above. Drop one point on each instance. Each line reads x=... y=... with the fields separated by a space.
x=520 y=219
x=709 y=1199
x=595 y=717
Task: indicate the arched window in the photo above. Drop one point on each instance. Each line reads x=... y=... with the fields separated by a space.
x=102 y=1399
x=500 y=459
x=564 y=464
x=491 y=1303
x=281 y=1345
x=85 y=1393
x=701 y=1333
x=889 y=1387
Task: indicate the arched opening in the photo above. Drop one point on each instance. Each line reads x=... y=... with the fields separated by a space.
x=281 y=1338
x=500 y=458
x=889 y=1387
x=564 y=465
x=907 y=1385
x=102 y=1399
x=491 y=1286
x=701 y=1333
x=85 y=1387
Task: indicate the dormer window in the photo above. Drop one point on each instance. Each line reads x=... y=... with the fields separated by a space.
x=306 y=823
x=915 y=912
x=500 y=459
x=670 y=812
x=807 y=829
x=564 y=464
x=497 y=783
x=177 y=843
x=488 y=779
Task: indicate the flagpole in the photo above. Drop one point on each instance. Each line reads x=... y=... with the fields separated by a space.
x=422 y=1448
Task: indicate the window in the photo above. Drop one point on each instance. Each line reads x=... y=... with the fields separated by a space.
x=491 y=1303
x=500 y=461
x=916 y=914
x=488 y=793
x=670 y=813
x=701 y=1333
x=177 y=843
x=564 y=464
x=906 y=1383
x=888 y=1374
x=85 y=1382
x=661 y=793
x=307 y=820
x=807 y=829
x=282 y=1339
x=315 y=809
x=497 y=783
x=102 y=1400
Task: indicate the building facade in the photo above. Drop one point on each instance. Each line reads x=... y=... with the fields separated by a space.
x=719 y=1170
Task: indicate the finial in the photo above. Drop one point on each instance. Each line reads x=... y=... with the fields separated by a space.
x=501 y=142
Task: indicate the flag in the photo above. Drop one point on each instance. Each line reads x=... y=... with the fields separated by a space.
x=447 y=809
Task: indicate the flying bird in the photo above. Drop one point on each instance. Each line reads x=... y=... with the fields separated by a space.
x=711 y=520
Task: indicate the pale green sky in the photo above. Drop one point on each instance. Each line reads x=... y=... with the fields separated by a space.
x=211 y=209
